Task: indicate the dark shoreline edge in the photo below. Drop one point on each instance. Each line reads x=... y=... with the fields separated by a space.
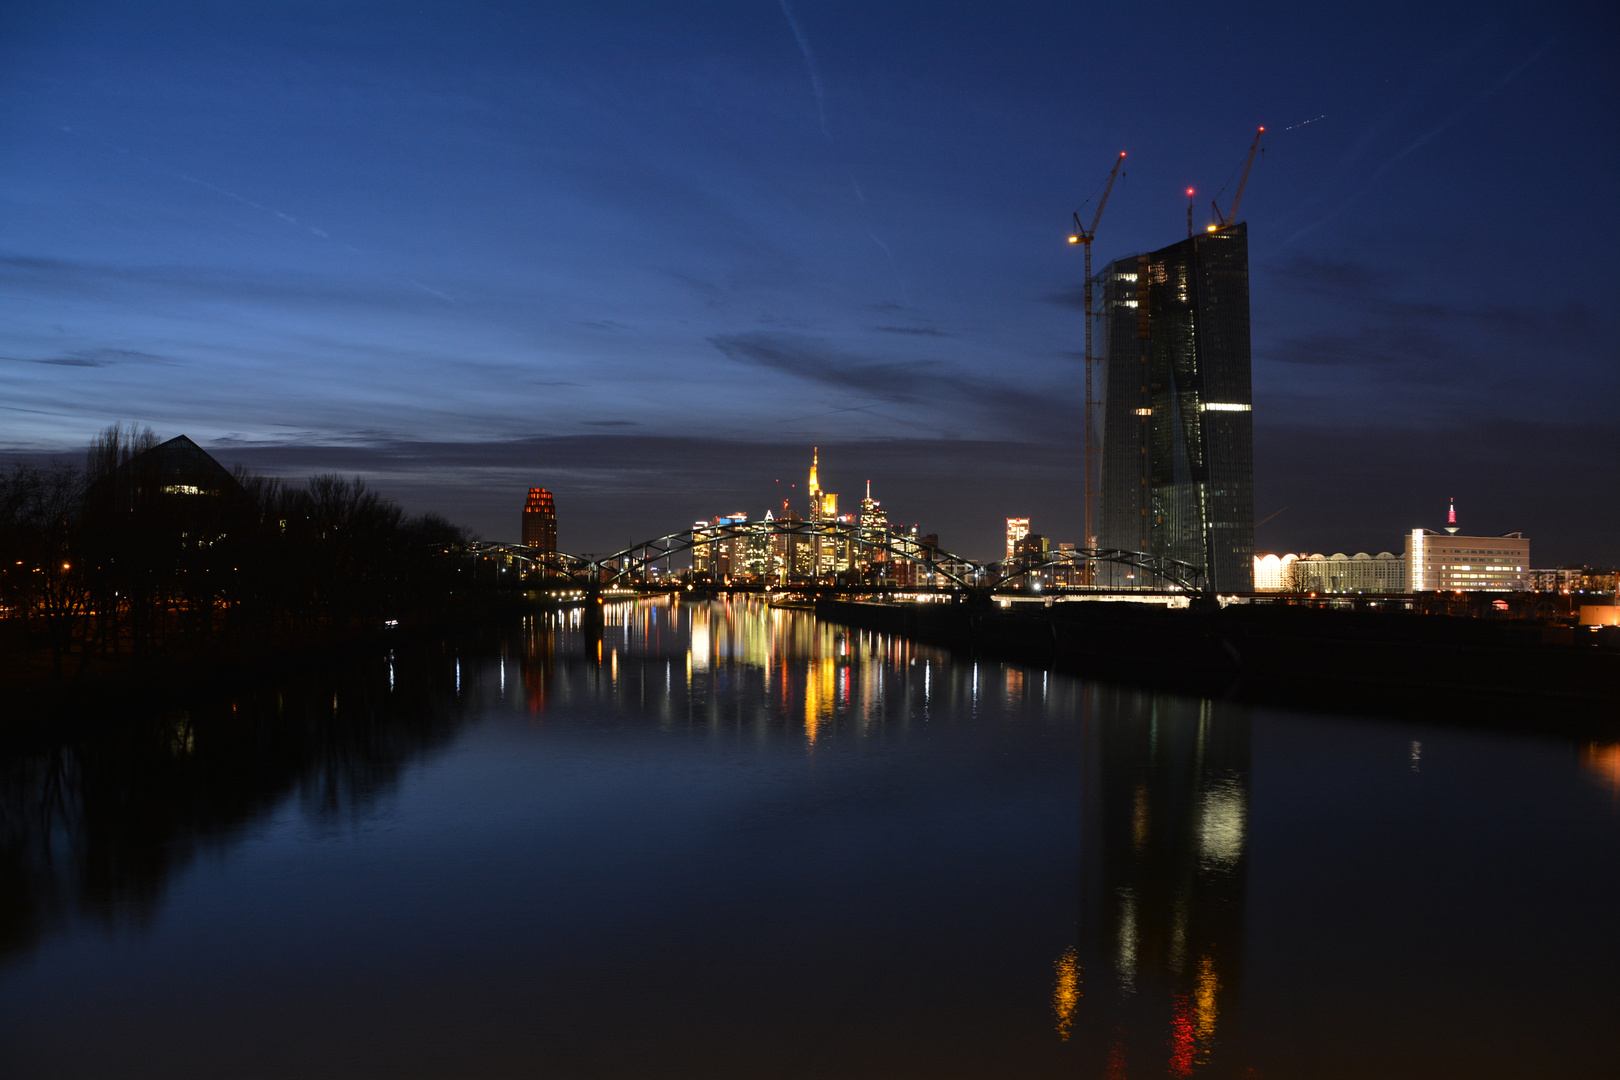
x=47 y=708
x=1465 y=672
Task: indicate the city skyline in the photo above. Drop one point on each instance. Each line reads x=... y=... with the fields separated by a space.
x=457 y=248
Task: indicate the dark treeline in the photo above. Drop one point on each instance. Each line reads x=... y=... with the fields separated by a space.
x=156 y=549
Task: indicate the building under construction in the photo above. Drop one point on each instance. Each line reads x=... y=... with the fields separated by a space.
x=1177 y=475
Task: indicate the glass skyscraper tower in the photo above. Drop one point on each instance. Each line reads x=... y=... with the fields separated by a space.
x=1178 y=438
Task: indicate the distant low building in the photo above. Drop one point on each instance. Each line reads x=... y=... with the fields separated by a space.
x=1575 y=580
x=1447 y=562
x=1336 y=573
x=1559 y=579
x=1271 y=571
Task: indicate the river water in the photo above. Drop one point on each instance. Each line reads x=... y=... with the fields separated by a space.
x=720 y=840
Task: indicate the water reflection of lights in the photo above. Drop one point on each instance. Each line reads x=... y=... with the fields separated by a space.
x=1139 y=819
x=1125 y=962
x=1602 y=762
x=1182 y=1036
x=1221 y=823
x=1066 y=992
x=1204 y=999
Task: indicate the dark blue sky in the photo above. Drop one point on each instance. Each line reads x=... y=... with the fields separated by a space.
x=647 y=255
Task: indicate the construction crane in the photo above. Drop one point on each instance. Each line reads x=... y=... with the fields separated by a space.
x=1084 y=237
x=1224 y=221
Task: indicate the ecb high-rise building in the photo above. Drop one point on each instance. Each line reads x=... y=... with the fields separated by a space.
x=1178 y=440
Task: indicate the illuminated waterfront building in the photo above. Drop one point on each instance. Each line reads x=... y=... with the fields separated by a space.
x=1438 y=562
x=756 y=560
x=1178 y=394
x=1017 y=529
x=702 y=548
x=1336 y=573
x=718 y=551
x=540 y=521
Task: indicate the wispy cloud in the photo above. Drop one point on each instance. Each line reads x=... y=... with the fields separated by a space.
x=809 y=67
x=915 y=331
x=1424 y=139
x=927 y=387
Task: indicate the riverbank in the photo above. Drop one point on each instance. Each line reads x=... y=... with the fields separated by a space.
x=33 y=697
x=1336 y=660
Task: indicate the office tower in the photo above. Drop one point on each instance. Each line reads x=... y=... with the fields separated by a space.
x=874 y=525
x=824 y=553
x=1017 y=529
x=1123 y=521
x=814 y=486
x=703 y=545
x=1188 y=319
x=540 y=521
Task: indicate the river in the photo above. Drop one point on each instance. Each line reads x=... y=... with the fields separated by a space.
x=718 y=840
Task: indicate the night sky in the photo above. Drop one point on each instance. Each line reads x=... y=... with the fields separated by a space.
x=648 y=255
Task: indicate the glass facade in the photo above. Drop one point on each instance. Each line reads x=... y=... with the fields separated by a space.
x=1183 y=323
x=1123 y=514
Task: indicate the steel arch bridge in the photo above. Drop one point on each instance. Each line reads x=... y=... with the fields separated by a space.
x=634 y=561
x=1183 y=576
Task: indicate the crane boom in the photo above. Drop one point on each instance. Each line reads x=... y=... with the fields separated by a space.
x=1102 y=202
x=1237 y=200
x=1084 y=236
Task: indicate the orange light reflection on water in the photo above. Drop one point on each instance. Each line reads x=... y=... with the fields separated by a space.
x=1066 y=992
x=1602 y=763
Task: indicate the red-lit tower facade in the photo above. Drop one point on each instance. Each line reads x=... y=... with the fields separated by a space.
x=540 y=520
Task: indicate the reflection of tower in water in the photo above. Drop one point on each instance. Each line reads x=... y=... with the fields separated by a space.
x=1164 y=834
x=539 y=660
